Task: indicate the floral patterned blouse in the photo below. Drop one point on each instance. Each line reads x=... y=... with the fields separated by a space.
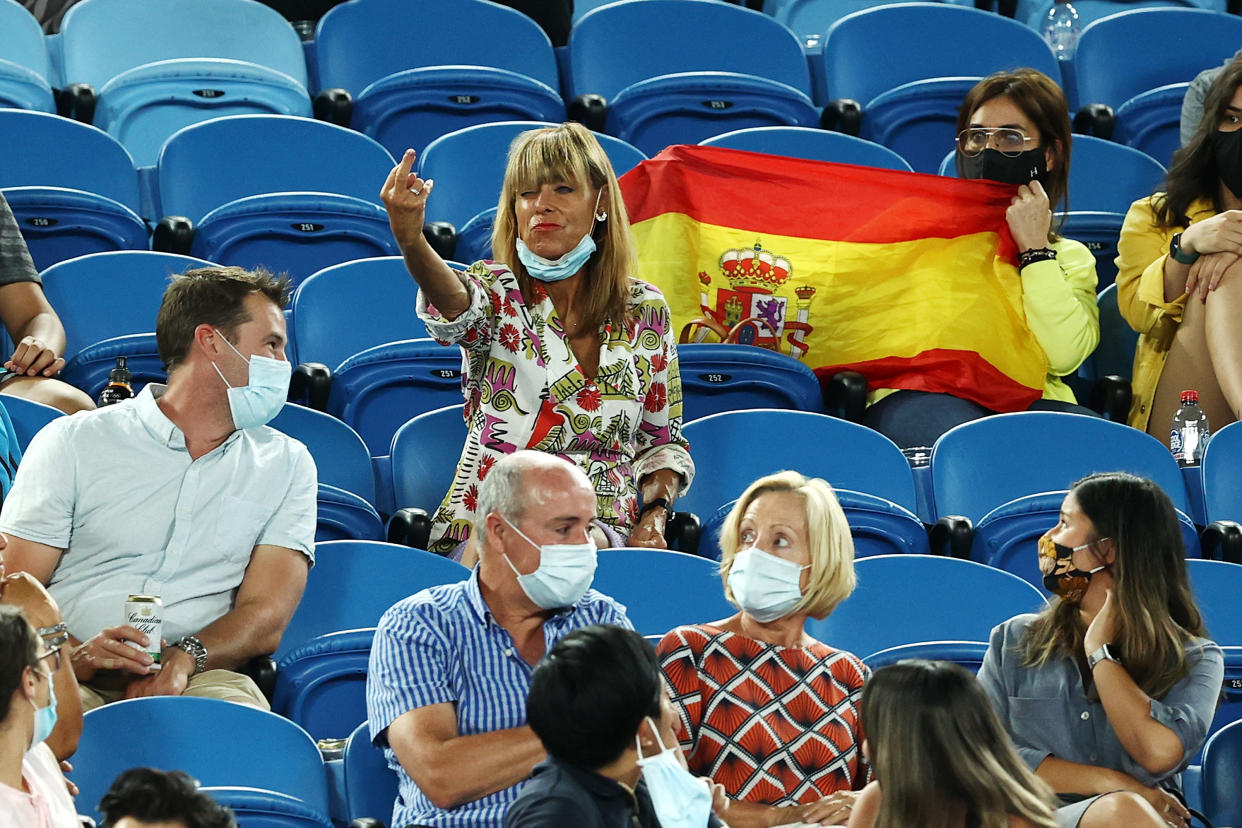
x=524 y=389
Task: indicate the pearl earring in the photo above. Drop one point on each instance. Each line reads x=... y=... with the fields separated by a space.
x=601 y=216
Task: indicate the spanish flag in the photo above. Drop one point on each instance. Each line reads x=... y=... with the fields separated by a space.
x=909 y=279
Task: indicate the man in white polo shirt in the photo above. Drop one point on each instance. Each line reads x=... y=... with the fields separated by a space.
x=181 y=492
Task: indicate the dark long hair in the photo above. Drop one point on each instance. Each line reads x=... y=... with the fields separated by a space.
x=1193 y=174
x=1157 y=613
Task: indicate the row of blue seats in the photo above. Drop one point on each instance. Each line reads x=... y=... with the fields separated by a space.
x=706 y=68
x=239 y=201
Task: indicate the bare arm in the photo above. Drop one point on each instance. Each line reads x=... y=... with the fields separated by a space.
x=405 y=196
x=1064 y=776
x=266 y=600
x=34 y=327
x=1149 y=742
x=452 y=769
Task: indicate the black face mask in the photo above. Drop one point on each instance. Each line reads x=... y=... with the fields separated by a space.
x=994 y=165
x=1228 y=152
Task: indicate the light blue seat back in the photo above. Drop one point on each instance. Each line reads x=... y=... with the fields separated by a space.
x=199 y=736
x=894 y=605
x=28 y=417
x=910 y=99
x=24 y=66
x=1222 y=475
x=705 y=68
x=1108 y=176
x=845 y=454
x=815 y=144
x=105 y=295
x=718 y=377
x=370 y=785
x=662 y=589
x=1222 y=767
x=425 y=452
x=406 y=97
x=339 y=453
x=983 y=464
x=968 y=654
x=354 y=582
x=259 y=808
x=89 y=368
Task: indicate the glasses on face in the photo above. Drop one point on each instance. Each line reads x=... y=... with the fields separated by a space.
x=1005 y=140
x=53 y=659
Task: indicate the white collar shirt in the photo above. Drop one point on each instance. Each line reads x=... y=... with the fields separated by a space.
x=116 y=489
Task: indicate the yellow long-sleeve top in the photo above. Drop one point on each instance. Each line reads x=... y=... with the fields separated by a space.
x=1141 y=252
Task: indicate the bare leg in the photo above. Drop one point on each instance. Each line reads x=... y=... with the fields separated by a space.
x=1224 y=343
x=1189 y=365
x=1122 y=808
x=49 y=391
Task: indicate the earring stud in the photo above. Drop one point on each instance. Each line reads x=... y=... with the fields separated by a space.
x=601 y=216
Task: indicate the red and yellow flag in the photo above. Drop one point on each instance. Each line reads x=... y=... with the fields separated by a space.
x=910 y=279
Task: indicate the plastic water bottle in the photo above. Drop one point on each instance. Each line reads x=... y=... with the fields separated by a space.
x=1061 y=29
x=119 y=385
x=1189 y=431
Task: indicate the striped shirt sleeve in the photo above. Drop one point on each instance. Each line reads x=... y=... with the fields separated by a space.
x=410 y=667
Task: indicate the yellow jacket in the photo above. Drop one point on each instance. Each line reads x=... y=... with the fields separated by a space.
x=1141 y=252
x=1059 y=300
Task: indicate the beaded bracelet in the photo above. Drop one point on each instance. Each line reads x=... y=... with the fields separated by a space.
x=1039 y=254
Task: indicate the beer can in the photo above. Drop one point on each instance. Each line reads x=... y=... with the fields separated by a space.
x=146 y=614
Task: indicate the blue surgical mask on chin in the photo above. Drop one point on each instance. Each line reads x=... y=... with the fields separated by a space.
x=680 y=799
x=563 y=576
x=554 y=270
x=259 y=400
x=45 y=717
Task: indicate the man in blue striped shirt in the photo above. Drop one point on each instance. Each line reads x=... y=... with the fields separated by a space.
x=451 y=665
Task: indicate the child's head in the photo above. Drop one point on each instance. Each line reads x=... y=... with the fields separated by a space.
x=937 y=747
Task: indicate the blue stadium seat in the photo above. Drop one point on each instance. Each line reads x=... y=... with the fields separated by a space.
x=1222 y=768
x=983 y=470
x=1222 y=475
x=813 y=17
x=468 y=166
x=104 y=295
x=24 y=65
x=1216 y=585
x=158 y=65
x=68 y=209
x=370 y=785
x=1145 y=91
x=88 y=369
x=339 y=453
x=377 y=390
x=346 y=308
x=354 y=582
x=871 y=476
x=968 y=654
x=425 y=452
x=815 y=144
x=910 y=99
x=406 y=96
x=322 y=660
x=1115 y=353
x=892 y=604
x=255 y=201
x=200 y=737
x=1035 y=12
x=662 y=589
x=27 y=417
x=706 y=68
x=259 y=808
x=719 y=377
x=343 y=515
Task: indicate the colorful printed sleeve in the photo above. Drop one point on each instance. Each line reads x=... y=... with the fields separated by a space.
x=491 y=295
x=660 y=444
x=679 y=663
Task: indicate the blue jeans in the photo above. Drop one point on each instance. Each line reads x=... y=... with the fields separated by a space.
x=917 y=418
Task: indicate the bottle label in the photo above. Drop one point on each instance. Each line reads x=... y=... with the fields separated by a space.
x=1175 y=443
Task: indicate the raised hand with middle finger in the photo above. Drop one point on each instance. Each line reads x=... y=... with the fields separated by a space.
x=1029 y=217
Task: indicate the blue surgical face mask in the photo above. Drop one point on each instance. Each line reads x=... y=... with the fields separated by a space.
x=554 y=270
x=45 y=717
x=564 y=573
x=764 y=586
x=258 y=401
x=680 y=799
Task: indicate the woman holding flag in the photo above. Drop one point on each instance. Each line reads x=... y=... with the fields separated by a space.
x=1013 y=128
x=565 y=352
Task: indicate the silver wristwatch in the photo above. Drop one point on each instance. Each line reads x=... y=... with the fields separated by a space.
x=1103 y=654
x=196 y=650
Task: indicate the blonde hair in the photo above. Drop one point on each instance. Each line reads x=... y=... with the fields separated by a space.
x=828 y=535
x=1156 y=612
x=570 y=153
x=938 y=750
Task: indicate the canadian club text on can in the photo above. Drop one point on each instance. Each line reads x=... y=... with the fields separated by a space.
x=145 y=613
